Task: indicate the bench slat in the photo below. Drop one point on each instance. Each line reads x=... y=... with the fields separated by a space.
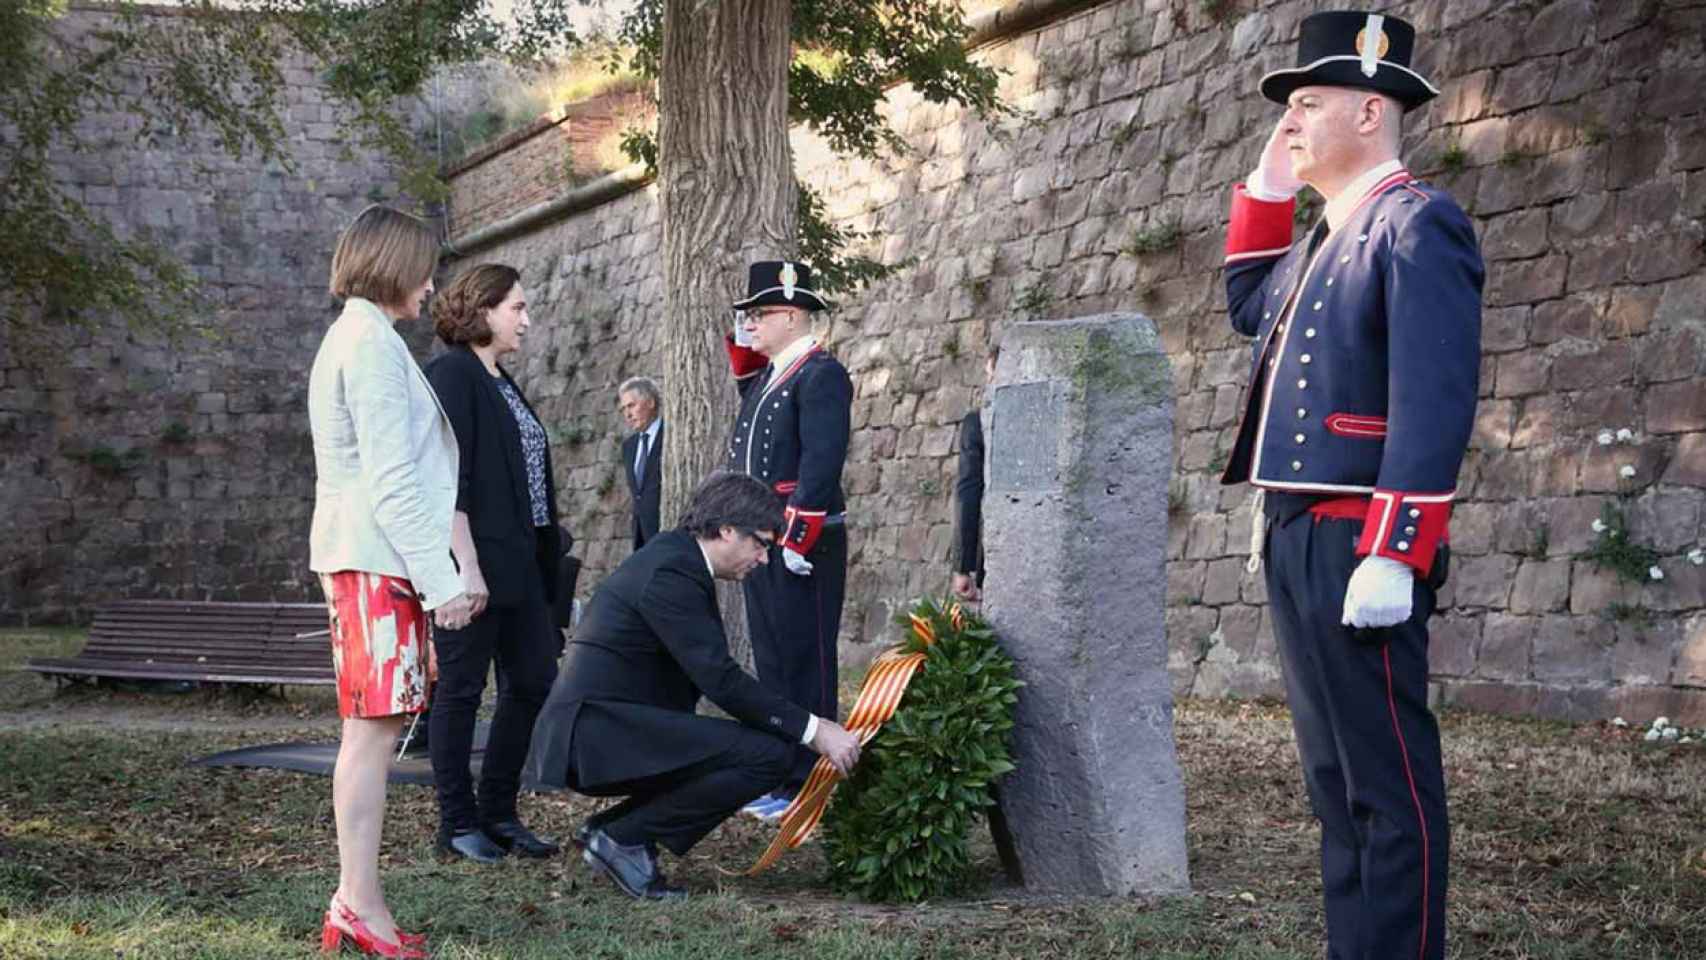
x=235 y=642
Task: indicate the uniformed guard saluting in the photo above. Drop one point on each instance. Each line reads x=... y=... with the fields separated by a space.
x=1360 y=404
x=792 y=432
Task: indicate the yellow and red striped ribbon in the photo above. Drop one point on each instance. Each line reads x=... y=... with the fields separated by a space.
x=878 y=699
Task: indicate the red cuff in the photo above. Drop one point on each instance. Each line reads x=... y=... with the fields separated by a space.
x=1259 y=228
x=1407 y=527
x=800 y=529
x=744 y=362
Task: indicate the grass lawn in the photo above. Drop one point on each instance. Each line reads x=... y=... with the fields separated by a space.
x=1568 y=843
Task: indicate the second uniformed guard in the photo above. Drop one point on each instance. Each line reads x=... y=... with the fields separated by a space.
x=1359 y=409
x=792 y=433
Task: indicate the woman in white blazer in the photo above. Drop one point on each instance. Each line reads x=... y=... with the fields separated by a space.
x=385 y=461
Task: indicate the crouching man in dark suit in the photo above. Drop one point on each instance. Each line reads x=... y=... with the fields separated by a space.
x=621 y=721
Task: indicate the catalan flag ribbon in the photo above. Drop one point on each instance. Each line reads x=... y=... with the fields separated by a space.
x=885 y=684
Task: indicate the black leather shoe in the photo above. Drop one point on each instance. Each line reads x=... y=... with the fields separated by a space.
x=470 y=845
x=517 y=839
x=634 y=869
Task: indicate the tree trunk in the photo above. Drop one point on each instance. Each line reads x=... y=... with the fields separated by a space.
x=728 y=198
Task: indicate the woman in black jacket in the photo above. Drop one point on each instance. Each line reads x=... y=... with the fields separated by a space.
x=505 y=542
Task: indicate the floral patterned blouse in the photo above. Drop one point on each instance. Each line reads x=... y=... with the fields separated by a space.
x=532 y=451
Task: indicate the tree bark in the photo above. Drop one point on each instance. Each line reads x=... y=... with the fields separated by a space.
x=728 y=197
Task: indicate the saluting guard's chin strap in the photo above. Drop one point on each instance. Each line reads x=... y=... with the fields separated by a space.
x=1258 y=526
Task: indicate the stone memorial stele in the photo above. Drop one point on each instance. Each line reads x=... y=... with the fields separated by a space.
x=1080 y=451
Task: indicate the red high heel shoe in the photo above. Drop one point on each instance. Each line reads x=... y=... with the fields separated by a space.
x=408 y=947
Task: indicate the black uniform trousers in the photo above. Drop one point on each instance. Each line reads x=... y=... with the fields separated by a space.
x=677 y=808
x=1368 y=743
x=523 y=641
x=793 y=621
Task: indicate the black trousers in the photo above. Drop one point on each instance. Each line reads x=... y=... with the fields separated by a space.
x=794 y=621
x=676 y=808
x=523 y=642
x=1368 y=743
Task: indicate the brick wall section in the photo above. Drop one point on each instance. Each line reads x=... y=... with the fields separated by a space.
x=539 y=161
x=135 y=468
x=1571 y=132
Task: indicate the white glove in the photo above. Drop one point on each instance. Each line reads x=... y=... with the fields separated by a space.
x=796 y=564
x=1379 y=593
x=1272 y=180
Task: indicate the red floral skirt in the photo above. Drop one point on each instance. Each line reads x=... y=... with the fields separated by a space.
x=380 y=649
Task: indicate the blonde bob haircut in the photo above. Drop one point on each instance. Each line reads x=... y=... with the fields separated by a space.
x=383 y=256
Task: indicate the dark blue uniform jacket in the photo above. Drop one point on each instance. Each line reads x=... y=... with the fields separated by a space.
x=1366 y=359
x=793 y=435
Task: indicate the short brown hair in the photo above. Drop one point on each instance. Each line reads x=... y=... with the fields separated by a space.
x=382 y=256
x=459 y=313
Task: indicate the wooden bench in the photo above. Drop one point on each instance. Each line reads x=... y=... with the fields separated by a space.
x=264 y=643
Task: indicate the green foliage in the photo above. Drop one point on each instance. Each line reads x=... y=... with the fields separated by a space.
x=175 y=432
x=213 y=68
x=1542 y=541
x=1516 y=157
x=822 y=244
x=1218 y=10
x=1156 y=237
x=1454 y=159
x=1035 y=299
x=107 y=461
x=1615 y=551
x=846 y=55
x=1632 y=613
x=898 y=829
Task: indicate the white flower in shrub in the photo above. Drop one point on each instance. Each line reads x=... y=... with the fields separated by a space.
x=1671 y=733
x=1655 y=573
x=1598 y=525
x=1661 y=723
x=1651 y=735
x=1697 y=556
x=1627 y=471
x=1625 y=435
x=1605 y=438
x=1619 y=722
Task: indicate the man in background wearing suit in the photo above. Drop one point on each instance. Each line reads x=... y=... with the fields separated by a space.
x=968 y=496
x=642 y=452
x=621 y=719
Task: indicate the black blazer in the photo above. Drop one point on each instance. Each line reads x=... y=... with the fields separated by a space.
x=649 y=494
x=491 y=481
x=649 y=644
x=968 y=499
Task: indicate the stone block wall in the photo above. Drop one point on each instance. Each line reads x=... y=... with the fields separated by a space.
x=1571 y=131
x=134 y=467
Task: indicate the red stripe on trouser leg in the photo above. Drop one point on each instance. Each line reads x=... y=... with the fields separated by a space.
x=1421 y=818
